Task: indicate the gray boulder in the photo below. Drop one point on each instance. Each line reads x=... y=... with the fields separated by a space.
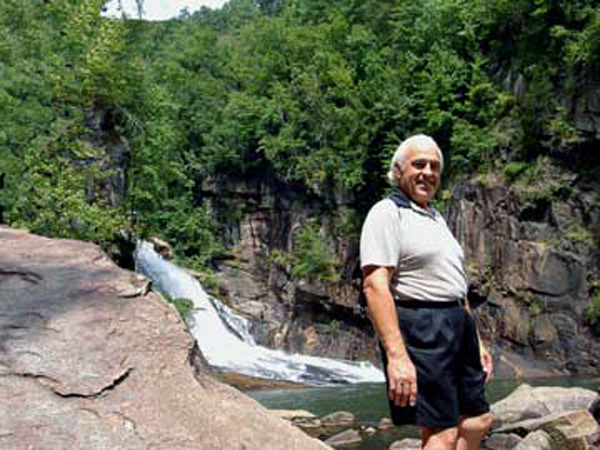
x=538 y=440
x=338 y=419
x=502 y=441
x=347 y=437
x=566 y=430
x=406 y=444
x=528 y=402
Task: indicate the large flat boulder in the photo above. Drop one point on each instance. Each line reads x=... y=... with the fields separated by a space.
x=527 y=402
x=89 y=358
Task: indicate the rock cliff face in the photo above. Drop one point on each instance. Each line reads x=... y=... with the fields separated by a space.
x=262 y=222
x=90 y=359
x=534 y=259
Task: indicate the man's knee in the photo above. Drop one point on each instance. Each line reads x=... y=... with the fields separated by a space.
x=478 y=424
x=439 y=438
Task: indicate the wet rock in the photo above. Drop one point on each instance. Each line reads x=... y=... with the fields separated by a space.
x=538 y=440
x=90 y=360
x=502 y=441
x=336 y=422
x=250 y=383
x=161 y=247
x=370 y=431
x=385 y=424
x=260 y=219
x=545 y=336
x=338 y=419
x=292 y=414
x=244 y=287
x=312 y=427
x=346 y=437
x=406 y=444
x=571 y=428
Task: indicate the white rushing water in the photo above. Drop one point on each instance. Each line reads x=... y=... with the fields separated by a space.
x=225 y=338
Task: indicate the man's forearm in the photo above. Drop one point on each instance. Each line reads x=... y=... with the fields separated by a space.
x=401 y=374
x=382 y=312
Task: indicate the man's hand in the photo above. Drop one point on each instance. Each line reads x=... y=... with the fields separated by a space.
x=487 y=363
x=403 y=381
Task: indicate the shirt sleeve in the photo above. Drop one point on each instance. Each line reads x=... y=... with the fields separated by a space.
x=380 y=236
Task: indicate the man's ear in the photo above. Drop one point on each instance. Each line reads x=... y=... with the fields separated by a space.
x=397 y=170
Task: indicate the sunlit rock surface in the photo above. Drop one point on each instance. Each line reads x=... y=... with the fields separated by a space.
x=89 y=358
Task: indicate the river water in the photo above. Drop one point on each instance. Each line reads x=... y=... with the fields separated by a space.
x=367 y=401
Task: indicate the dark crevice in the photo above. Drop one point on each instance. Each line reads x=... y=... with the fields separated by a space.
x=319 y=308
x=547 y=294
x=538 y=211
x=36 y=376
x=199 y=364
x=117 y=381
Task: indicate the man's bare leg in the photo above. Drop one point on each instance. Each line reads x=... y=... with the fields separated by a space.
x=438 y=438
x=471 y=430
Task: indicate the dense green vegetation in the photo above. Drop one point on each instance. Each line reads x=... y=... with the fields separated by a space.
x=311 y=92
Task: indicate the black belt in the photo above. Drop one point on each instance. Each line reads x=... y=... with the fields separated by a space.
x=429 y=303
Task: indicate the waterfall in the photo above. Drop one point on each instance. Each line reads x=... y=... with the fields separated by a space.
x=225 y=339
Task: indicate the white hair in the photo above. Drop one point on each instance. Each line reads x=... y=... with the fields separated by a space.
x=416 y=141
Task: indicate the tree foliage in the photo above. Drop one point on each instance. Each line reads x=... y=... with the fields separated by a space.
x=315 y=93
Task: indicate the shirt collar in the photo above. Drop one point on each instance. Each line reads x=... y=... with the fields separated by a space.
x=400 y=198
x=402 y=201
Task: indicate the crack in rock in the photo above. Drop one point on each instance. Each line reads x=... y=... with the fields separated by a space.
x=116 y=382
x=25 y=275
x=49 y=381
x=37 y=377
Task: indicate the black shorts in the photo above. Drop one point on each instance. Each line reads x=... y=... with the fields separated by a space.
x=443 y=346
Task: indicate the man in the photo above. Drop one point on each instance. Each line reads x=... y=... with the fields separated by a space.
x=415 y=287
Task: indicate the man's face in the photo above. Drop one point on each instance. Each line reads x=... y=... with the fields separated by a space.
x=419 y=175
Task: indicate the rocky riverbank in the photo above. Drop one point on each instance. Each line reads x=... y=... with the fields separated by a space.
x=530 y=418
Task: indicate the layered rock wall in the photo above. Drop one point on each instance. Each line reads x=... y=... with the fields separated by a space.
x=261 y=223
x=534 y=258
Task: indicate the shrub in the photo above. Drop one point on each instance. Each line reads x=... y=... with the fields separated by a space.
x=514 y=169
x=593 y=310
x=313 y=258
x=535 y=305
x=184 y=306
